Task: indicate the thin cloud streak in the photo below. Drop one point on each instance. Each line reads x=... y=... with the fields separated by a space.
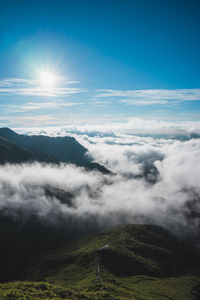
x=39 y=105
x=53 y=92
x=28 y=87
x=150 y=96
x=14 y=81
x=143 y=102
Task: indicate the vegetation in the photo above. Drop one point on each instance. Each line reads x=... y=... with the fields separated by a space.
x=43 y=290
x=128 y=262
x=135 y=288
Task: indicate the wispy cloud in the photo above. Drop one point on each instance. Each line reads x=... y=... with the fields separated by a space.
x=16 y=81
x=150 y=96
x=51 y=92
x=143 y=102
x=31 y=120
x=38 y=106
x=101 y=103
x=30 y=87
x=27 y=87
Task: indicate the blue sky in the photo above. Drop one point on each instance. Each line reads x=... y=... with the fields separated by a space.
x=65 y=62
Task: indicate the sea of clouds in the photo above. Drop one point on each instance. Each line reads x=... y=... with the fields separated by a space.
x=155 y=173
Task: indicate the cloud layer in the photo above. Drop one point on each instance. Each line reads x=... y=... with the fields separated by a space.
x=127 y=129
x=155 y=180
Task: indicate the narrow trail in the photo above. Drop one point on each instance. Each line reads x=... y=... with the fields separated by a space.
x=98 y=273
x=98 y=268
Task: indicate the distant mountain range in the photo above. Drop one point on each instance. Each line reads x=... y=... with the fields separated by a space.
x=18 y=148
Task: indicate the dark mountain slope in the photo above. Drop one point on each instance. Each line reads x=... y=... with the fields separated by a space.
x=45 y=149
x=132 y=261
x=11 y=152
x=128 y=262
x=65 y=149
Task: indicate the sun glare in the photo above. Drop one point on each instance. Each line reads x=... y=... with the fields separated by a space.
x=47 y=79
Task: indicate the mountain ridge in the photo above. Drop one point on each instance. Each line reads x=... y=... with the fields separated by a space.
x=24 y=148
x=129 y=261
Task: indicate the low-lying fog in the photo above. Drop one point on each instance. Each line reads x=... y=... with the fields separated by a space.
x=154 y=180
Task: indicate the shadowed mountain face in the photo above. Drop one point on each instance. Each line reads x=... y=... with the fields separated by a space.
x=16 y=148
x=11 y=152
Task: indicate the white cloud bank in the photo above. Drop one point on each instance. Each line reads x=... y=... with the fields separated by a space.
x=128 y=127
x=128 y=196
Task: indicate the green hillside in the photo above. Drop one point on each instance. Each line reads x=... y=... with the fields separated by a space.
x=43 y=290
x=128 y=262
x=135 y=288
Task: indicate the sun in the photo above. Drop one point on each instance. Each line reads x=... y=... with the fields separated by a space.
x=47 y=79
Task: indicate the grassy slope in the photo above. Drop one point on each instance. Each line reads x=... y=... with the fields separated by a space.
x=149 y=253
x=42 y=290
x=135 y=288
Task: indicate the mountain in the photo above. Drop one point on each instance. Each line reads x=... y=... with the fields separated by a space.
x=127 y=262
x=11 y=152
x=17 y=148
